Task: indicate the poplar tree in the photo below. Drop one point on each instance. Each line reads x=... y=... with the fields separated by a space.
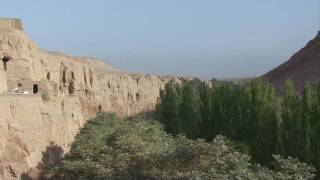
x=306 y=124
x=190 y=110
x=206 y=124
x=291 y=131
x=311 y=124
x=168 y=108
x=263 y=121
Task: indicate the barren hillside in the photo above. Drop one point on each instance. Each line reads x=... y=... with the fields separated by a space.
x=302 y=67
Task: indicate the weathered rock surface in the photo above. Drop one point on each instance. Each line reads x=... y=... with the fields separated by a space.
x=71 y=90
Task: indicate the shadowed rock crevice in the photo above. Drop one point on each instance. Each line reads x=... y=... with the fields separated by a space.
x=45 y=169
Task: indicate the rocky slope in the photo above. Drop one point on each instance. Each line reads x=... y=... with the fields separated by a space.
x=302 y=67
x=71 y=90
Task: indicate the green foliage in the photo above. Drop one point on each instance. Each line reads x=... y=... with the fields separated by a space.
x=245 y=112
x=111 y=148
x=262 y=121
x=200 y=160
x=301 y=124
x=292 y=127
x=249 y=113
x=190 y=110
x=169 y=108
x=291 y=168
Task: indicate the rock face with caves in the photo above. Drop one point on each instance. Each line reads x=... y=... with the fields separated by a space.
x=304 y=66
x=45 y=97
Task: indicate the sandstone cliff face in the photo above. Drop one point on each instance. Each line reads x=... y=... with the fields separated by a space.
x=71 y=90
x=28 y=124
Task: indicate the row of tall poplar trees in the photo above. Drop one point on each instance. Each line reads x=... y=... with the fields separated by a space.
x=300 y=127
x=248 y=112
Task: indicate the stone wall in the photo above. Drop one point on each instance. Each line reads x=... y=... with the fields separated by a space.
x=11 y=23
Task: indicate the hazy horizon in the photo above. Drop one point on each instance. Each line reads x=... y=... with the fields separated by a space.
x=188 y=38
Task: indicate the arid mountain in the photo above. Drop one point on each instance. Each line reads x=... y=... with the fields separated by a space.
x=46 y=97
x=302 y=67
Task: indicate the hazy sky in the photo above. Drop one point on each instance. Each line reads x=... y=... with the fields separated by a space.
x=204 y=38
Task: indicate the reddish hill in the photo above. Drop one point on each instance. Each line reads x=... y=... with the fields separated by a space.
x=304 y=66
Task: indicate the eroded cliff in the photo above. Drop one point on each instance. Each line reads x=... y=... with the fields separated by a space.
x=46 y=97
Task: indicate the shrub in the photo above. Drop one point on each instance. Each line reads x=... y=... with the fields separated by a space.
x=110 y=148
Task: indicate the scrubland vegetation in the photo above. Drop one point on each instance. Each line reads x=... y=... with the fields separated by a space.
x=111 y=148
x=218 y=130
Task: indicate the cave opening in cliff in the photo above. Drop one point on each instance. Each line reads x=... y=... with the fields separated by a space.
x=19 y=86
x=35 y=89
x=5 y=61
x=71 y=87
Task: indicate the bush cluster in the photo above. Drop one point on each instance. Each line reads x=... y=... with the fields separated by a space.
x=111 y=148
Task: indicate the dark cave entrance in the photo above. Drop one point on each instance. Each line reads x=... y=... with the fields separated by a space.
x=71 y=87
x=35 y=89
x=5 y=60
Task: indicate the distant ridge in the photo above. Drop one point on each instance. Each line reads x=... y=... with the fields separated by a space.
x=302 y=67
